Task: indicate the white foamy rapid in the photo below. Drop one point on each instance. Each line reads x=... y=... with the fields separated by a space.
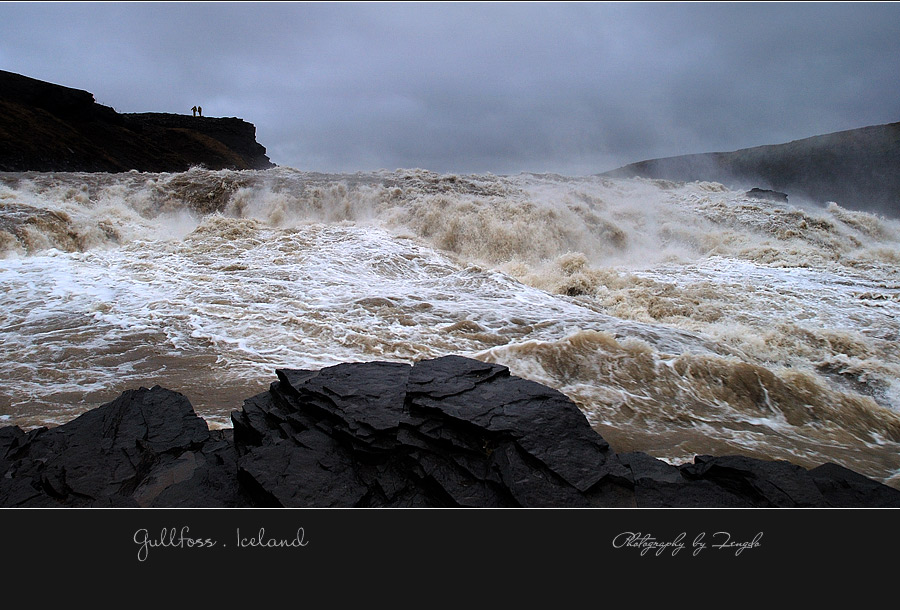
x=682 y=318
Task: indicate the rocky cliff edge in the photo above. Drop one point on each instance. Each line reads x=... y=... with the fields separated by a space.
x=46 y=127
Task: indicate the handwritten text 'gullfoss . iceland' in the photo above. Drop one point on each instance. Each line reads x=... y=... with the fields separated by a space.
x=182 y=538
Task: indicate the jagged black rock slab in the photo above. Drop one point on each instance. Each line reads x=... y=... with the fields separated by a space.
x=841 y=487
x=144 y=445
x=735 y=481
x=661 y=485
x=762 y=483
x=446 y=432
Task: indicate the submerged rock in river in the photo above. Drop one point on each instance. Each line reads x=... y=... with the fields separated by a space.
x=768 y=194
x=448 y=432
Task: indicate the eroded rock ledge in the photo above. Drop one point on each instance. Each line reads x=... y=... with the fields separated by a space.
x=449 y=432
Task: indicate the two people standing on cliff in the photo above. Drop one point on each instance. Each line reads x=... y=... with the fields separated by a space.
x=197 y=110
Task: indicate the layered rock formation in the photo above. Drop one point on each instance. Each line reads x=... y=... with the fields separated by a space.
x=856 y=168
x=46 y=127
x=449 y=432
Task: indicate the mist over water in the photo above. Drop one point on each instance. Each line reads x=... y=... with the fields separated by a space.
x=682 y=318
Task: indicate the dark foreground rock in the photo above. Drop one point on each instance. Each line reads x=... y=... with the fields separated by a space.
x=450 y=432
x=145 y=448
x=50 y=128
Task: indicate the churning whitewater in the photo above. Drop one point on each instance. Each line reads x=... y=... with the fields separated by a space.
x=682 y=318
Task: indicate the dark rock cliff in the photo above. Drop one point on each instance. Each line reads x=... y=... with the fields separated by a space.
x=449 y=432
x=858 y=168
x=46 y=127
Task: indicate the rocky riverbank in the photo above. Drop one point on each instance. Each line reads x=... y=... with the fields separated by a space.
x=448 y=432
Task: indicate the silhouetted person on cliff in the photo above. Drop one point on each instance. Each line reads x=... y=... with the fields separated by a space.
x=199 y=111
x=194 y=110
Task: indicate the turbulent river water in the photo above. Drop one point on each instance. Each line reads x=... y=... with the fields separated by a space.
x=682 y=318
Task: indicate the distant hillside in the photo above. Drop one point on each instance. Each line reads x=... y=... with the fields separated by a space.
x=46 y=127
x=858 y=169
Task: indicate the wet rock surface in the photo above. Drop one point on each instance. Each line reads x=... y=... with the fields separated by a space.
x=767 y=194
x=448 y=432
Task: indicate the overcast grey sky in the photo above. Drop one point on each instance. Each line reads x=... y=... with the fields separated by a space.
x=572 y=88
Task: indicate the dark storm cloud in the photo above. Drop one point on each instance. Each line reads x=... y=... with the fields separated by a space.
x=571 y=88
